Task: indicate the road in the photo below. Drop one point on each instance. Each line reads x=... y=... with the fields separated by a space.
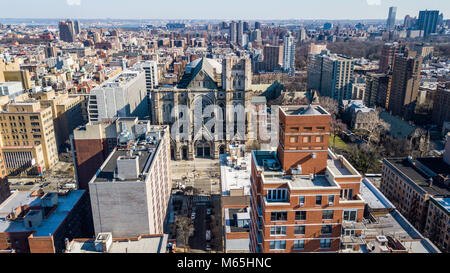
x=198 y=241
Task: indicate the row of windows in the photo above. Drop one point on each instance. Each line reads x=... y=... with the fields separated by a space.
x=298 y=244
x=301 y=215
x=298 y=230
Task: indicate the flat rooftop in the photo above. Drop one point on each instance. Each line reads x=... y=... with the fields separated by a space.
x=143 y=244
x=48 y=225
x=235 y=177
x=337 y=167
x=304 y=110
x=373 y=197
x=444 y=202
x=145 y=153
x=417 y=176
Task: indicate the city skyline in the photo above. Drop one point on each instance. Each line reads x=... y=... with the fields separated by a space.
x=230 y=10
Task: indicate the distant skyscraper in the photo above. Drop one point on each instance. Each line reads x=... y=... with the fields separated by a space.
x=76 y=26
x=428 y=21
x=233 y=32
x=302 y=34
x=257 y=25
x=67 y=31
x=273 y=57
x=391 y=18
x=289 y=54
x=388 y=53
x=240 y=33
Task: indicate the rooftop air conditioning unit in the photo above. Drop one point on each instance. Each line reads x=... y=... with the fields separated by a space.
x=330 y=203
x=302 y=204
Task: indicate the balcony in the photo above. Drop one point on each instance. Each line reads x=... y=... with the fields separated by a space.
x=352 y=240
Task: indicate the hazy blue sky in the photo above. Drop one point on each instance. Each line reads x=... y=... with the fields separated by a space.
x=217 y=9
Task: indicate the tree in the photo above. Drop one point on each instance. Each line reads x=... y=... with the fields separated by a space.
x=184 y=227
x=373 y=124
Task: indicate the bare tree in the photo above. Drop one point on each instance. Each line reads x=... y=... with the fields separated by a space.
x=184 y=227
x=374 y=125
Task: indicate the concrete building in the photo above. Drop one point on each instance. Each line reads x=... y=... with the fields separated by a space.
x=233 y=32
x=124 y=95
x=38 y=222
x=405 y=84
x=331 y=75
x=67 y=31
x=303 y=194
x=151 y=79
x=289 y=54
x=131 y=190
x=28 y=137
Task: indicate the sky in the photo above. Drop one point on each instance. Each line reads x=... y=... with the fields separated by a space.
x=217 y=9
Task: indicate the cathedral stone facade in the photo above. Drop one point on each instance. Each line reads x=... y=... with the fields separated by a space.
x=206 y=83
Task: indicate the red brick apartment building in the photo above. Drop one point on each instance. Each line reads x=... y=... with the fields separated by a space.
x=303 y=195
x=38 y=222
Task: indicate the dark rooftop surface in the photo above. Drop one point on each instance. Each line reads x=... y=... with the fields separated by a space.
x=419 y=177
x=436 y=164
x=107 y=173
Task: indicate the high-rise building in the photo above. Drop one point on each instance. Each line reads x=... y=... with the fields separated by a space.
x=378 y=88
x=28 y=137
x=257 y=25
x=124 y=95
x=273 y=57
x=76 y=27
x=289 y=54
x=428 y=21
x=151 y=79
x=391 y=18
x=256 y=35
x=240 y=33
x=441 y=106
x=303 y=35
x=405 y=84
x=130 y=193
x=303 y=197
x=331 y=75
x=233 y=32
x=388 y=53
x=67 y=31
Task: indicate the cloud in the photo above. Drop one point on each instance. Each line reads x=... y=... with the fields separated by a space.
x=73 y=2
x=369 y=2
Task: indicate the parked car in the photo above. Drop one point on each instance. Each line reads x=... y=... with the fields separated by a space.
x=208 y=211
x=193 y=216
x=29 y=183
x=208 y=247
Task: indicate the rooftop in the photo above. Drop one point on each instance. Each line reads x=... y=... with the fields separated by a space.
x=49 y=224
x=231 y=217
x=419 y=177
x=141 y=244
x=234 y=176
x=144 y=154
x=304 y=110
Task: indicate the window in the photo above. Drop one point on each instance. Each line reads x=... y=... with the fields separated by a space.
x=319 y=139
x=300 y=215
x=331 y=199
x=279 y=230
x=321 y=128
x=307 y=128
x=327 y=214
x=301 y=200
x=281 y=244
x=327 y=229
x=299 y=244
x=293 y=139
x=325 y=243
x=350 y=215
x=277 y=195
x=294 y=129
x=318 y=200
x=299 y=230
x=306 y=139
x=278 y=216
